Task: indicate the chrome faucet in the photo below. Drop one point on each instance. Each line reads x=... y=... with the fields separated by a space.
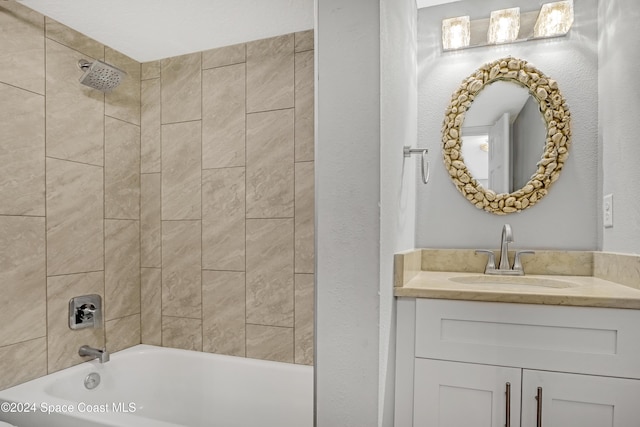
x=96 y=353
x=504 y=269
x=507 y=237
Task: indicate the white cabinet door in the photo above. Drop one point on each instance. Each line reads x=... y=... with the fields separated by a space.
x=454 y=394
x=573 y=400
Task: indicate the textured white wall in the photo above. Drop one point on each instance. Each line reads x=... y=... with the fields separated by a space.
x=567 y=217
x=398 y=127
x=347 y=212
x=619 y=103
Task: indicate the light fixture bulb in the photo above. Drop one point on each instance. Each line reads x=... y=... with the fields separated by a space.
x=555 y=19
x=455 y=32
x=504 y=26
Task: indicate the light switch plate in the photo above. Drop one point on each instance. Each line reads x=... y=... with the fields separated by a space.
x=607 y=207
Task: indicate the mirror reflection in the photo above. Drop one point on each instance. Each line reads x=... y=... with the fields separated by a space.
x=503 y=136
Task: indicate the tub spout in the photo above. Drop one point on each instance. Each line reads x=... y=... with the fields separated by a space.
x=96 y=353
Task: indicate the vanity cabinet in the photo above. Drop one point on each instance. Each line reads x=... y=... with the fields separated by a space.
x=473 y=364
x=452 y=394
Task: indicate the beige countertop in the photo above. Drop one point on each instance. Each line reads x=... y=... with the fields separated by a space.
x=583 y=291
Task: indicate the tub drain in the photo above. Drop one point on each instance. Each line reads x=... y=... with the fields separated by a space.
x=92 y=380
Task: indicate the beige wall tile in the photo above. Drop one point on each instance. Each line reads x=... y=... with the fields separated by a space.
x=151 y=309
x=223 y=219
x=270 y=68
x=150 y=127
x=181 y=269
x=21 y=47
x=75 y=113
x=122 y=333
x=122 y=268
x=270 y=272
x=270 y=343
x=181 y=88
x=74 y=217
x=224 y=118
x=22 y=362
x=151 y=70
x=181 y=171
x=124 y=102
x=122 y=169
x=304 y=40
x=270 y=169
x=21 y=151
x=304 y=106
x=223 y=311
x=23 y=282
x=63 y=343
x=178 y=332
x=222 y=56
x=150 y=225
x=73 y=39
x=304 y=218
x=304 y=319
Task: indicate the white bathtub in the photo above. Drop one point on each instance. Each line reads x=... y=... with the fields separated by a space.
x=147 y=386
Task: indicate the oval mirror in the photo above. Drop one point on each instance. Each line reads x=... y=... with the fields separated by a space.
x=505 y=152
x=503 y=136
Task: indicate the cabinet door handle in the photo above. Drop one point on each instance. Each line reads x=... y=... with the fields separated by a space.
x=539 y=409
x=508 y=405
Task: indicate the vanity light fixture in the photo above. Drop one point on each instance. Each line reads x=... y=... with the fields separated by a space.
x=508 y=26
x=456 y=32
x=554 y=19
x=504 y=26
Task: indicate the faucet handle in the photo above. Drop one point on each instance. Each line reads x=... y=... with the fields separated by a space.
x=491 y=262
x=517 y=264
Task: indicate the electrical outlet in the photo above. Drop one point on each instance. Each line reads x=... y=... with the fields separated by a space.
x=607 y=207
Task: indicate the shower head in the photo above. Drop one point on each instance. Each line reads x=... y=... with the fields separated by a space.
x=101 y=76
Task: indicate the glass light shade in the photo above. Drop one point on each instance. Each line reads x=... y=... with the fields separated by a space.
x=555 y=19
x=504 y=26
x=455 y=32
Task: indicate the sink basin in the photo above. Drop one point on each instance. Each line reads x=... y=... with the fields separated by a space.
x=519 y=281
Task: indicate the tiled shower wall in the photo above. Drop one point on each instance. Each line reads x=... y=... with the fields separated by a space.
x=222 y=213
x=69 y=196
x=227 y=200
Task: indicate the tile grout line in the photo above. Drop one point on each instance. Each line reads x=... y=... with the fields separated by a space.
x=295 y=109
x=201 y=208
x=246 y=169
x=104 y=210
x=46 y=223
x=160 y=218
x=140 y=206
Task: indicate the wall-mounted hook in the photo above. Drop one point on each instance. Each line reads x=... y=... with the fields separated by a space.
x=424 y=164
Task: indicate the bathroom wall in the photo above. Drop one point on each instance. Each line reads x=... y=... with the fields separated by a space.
x=227 y=196
x=348 y=230
x=69 y=196
x=567 y=217
x=619 y=94
x=398 y=127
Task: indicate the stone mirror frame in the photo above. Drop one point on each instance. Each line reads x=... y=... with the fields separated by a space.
x=556 y=149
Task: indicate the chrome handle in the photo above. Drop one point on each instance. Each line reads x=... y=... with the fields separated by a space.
x=491 y=263
x=508 y=405
x=539 y=411
x=517 y=263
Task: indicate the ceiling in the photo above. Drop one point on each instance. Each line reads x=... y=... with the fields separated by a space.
x=428 y=3
x=146 y=30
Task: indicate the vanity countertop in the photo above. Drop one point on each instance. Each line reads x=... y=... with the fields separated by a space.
x=583 y=291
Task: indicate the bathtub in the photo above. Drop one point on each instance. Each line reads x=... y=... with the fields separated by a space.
x=147 y=386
